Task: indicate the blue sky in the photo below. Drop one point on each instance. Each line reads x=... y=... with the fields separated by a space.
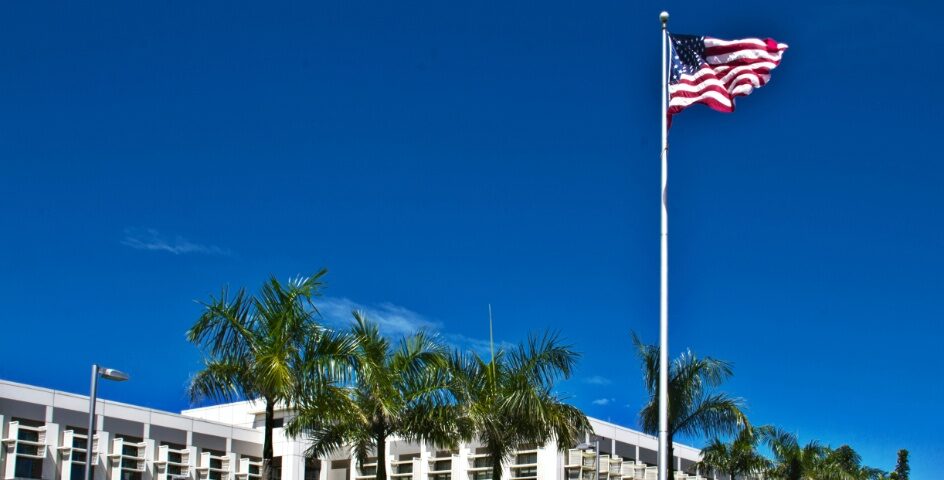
x=440 y=156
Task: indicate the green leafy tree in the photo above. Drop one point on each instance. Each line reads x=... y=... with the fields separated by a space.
x=793 y=461
x=509 y=401
x=844 y=463
x=397 y=390
x=695 y=407
x=266 y=348
x=739 y=457
x=902 y=470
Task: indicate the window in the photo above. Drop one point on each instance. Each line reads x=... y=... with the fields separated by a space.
x=79 y=442
x=312 y=469
x=77 y=471
x=28 y=435
x=487 y=475
x=527 y=458
x=28 y=467
x=27 y=449
x=482 y=462
x=276 y=467
x=216 y=465
x=129 y=475
x=526 y=472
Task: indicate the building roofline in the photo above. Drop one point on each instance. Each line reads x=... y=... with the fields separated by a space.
x=103 y=402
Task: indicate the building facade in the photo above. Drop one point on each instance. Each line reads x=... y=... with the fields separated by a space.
x=44 y=438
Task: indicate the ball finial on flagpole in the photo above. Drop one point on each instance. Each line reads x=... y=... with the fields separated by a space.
x=664 y=16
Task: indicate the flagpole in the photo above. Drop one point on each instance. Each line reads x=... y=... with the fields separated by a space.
x=664 y=459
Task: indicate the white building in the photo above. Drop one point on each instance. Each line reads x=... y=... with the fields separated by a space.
x=44 y=437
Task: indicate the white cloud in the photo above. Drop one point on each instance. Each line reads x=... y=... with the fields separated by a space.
x=603 y=401
x=393 y=320
x=598 y=380
x=153 y=240
x=396 y=321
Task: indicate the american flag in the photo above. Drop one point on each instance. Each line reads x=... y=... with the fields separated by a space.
x=711 y=71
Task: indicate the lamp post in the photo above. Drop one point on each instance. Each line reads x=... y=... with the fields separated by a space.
x=596 y=456
x=108 y=374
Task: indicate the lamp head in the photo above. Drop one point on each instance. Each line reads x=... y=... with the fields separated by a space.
x=115 y=375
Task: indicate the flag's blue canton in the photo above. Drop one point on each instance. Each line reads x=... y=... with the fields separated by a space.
x=688 y=55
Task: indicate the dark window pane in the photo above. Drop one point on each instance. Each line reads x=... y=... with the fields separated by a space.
x=78 y=442
x=28 y=468
x=527 y=458
x=28 y=449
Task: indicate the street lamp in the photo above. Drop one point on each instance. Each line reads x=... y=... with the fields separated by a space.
x=596 y=456
x=108 y=374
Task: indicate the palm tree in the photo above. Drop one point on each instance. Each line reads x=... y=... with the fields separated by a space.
x=793 y=461
x=266 y=348
x=509 y=401
x=844 y=463
x=739 y=457
x=694 y=407
x=814 y=461
x=397 y=390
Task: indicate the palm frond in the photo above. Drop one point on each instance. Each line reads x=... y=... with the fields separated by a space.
x=227 y=326
x=222 y=380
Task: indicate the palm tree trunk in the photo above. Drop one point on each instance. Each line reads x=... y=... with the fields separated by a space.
x=267 y=440
x=381 y=440
x=496 y=464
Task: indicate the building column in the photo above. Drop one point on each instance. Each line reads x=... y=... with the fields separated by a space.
x=99 y=458
x=50 y=450
x=150 y=454
x=547 y=460
x=422 y=473
x=460 y=462
x=325 y=467
x=7 y=460
x=193 y=459
x=293 y=461
x=389 y=456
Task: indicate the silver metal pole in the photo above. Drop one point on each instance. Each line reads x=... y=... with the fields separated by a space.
x=664 y=274
x=91 y=424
